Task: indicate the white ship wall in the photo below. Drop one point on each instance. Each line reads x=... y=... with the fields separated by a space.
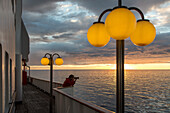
x=7 y=49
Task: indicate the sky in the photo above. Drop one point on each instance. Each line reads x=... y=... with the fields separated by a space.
x=60 y=26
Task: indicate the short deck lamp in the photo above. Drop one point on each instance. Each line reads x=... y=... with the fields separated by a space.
x=121 y=24
x=49 y=61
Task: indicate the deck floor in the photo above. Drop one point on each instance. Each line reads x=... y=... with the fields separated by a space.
x=34 y=101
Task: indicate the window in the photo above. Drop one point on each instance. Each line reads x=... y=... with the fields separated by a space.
x=6 y=83
x=12 y=3
x=10 y=78
x=0 y=78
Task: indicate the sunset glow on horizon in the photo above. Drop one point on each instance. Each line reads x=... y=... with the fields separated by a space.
x=69 y=38
x=155 y=66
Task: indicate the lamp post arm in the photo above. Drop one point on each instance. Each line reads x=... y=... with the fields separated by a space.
x=48 y=54
x=57 y=55
x=105 y=11
x=138 y=10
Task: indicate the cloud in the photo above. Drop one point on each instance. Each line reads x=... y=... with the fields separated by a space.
x=157 y=52
x=75 y=15
x=61 y=26
x=57 y=21
x=39 y=6
x=97 y=6
x=64 y=36
x=160 y=17
x=75 y=53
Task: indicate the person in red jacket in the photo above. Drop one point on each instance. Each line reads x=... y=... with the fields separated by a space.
x=70 y=81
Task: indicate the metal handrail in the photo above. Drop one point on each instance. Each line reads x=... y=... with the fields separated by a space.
x=12 y=103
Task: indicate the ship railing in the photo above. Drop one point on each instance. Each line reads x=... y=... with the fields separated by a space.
x=43 y=84
x=65 y=101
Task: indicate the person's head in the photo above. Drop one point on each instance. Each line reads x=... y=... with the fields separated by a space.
x=71 y=76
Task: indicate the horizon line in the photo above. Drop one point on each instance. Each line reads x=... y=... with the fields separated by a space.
x=99 y=69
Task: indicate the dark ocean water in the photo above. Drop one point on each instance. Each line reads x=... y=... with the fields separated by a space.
x=145 y=91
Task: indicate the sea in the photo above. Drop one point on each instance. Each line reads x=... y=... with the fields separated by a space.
x=146 y=91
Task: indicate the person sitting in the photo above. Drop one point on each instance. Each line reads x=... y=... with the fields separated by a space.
x=70 y=81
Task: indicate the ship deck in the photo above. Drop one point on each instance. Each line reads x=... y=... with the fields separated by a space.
x=34 y=101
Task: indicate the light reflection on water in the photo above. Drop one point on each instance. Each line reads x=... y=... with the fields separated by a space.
x=145 y=91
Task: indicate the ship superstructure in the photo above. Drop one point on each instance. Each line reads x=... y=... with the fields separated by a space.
x=14 y=49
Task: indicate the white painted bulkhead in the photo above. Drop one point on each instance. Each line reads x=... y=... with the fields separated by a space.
x=7 y=53
x=12 y=35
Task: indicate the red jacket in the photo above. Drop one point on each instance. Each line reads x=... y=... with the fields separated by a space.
x=68 y=82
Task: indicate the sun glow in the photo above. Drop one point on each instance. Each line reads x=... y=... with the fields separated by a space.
x=128 y=66
x=104 y=66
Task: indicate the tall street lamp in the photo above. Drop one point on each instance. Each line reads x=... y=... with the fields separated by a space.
x=121 y=24
x=50 y=61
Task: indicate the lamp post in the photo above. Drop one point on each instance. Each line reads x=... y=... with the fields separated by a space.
x=49 y=61
x=121 y=24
